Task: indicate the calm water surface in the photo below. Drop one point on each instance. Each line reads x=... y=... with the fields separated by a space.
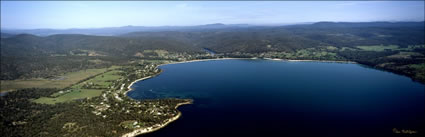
x=278 y=98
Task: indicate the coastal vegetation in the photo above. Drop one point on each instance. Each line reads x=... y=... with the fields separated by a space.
x=76 y=85
x=94 y=107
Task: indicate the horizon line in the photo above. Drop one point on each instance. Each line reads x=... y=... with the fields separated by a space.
x=259 y=24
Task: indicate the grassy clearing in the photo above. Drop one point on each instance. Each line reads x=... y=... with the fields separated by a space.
x=347 y=49
x=157 y=52
x=405 y=55
x=413 y=47
x=332 y=48
x=418 y=66
x=102 y=81
x=87 y=89
x=64 y=81
x=378 y=48
x=129 y=124
x=419 y=70
x=72 y=95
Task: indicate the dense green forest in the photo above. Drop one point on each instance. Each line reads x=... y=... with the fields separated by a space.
x=30 y=56
x=249 y=39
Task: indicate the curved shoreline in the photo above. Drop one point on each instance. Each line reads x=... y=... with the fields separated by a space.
x=137 y=132
x=148 y=77
x=140 y=79
x=329 y=61
x=275 y=59
x=200 y=60
x=141 y=131
x=309 y=60
x=131 y=84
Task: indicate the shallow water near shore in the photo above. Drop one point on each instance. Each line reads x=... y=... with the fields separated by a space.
x=245 y=97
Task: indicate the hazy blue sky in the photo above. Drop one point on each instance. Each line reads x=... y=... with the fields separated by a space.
x=75 y=14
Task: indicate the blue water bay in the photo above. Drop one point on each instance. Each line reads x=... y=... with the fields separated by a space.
x=245 y=97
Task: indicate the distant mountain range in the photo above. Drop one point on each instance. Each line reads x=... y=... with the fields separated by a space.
x=7 y=35
x=113 y=31
x=368 y=24
x=127 y=41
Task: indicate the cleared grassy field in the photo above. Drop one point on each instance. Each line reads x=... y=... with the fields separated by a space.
x=378 y=47
x=62 y=82
x=72 y=95
x=104 y=80
x=418 y=66
x=420 y=70
x=405 y=55
x=87 y=89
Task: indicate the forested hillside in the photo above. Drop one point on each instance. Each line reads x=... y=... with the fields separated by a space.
x=65 y=44
x=289 y=38
x=253 y=39
x=30 y=56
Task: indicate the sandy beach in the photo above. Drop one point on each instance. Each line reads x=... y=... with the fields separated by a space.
x=129 y=86
x=276 y=59
x=198 y=60
x=295 y=60
x=331 y=61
